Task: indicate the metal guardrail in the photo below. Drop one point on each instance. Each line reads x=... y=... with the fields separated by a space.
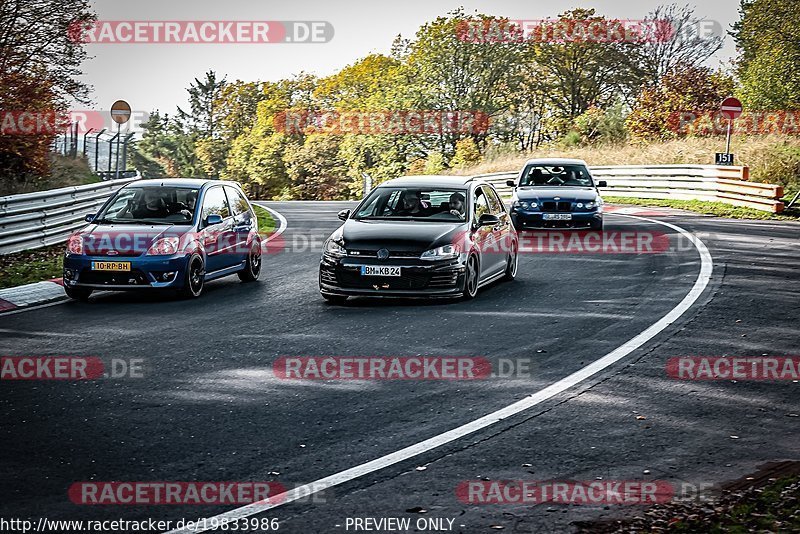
x=729 y=185
x=33 y=220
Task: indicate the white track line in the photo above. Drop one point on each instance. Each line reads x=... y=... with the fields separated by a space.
x=706 y=267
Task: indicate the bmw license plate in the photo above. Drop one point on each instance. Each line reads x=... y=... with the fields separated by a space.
x=557 y=216
x=375 y=270
x=111 y=266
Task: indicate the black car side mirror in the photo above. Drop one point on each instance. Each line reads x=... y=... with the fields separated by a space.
x=511 y=183
x=488 y=219
x=89 y=217
x=343 y=215
x=602 y=183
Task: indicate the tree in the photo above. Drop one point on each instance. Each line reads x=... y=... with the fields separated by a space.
x=204 y=113
x=467 y=154
x=580 y=73
x=768 y=37
x=41 y=39
x=677 y=40
x=685 y=93
x=447 y=72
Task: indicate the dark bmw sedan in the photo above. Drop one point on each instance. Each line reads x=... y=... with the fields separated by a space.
x=172 y=234
x=556 y=193
x=420 y=236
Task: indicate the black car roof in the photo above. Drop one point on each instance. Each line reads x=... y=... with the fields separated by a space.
x=429 y=181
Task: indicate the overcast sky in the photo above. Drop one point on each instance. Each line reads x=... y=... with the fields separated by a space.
x=155 y=76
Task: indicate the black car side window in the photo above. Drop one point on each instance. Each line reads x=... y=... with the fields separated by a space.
x=495 y=204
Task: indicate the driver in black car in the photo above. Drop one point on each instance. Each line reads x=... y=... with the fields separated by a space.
x=411 y=204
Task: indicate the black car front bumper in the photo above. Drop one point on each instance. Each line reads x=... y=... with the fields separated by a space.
x=342 y=277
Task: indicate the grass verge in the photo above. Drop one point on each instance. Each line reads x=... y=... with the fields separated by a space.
x=31 y=266
x=772 y=508
x=266 y=222
x=709 y=208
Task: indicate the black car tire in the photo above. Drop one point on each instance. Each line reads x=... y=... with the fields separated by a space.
x=596 y=225
x=252 y=266
x=335 y=299
x=471 y=278
x=512 y=263
x=78 y=293
x=194 y=280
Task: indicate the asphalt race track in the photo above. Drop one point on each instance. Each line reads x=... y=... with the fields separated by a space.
x=209 y=408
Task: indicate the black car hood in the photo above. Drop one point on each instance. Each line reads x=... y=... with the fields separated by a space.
x=401 y=236
x=540 y=194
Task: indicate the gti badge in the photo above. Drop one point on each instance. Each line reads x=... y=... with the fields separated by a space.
x=383 y=254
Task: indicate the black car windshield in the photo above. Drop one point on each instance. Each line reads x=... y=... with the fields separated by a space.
x=151 y=205
x=414 y=203
x=556 y=175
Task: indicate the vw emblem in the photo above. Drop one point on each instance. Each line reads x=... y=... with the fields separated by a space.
x=383 y=254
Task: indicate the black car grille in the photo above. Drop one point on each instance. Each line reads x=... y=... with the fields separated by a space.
x=374 y=254
x=443 y=280
x=327 y=276
x=354 y=280
x=114 y=278
x=553 y=206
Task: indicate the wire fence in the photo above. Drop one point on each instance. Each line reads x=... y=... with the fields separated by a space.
x=105 y=151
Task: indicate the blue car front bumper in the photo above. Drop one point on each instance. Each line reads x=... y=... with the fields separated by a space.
x=145 y=272
x=535 y=219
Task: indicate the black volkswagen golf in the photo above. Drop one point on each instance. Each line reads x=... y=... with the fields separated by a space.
x=420 y=236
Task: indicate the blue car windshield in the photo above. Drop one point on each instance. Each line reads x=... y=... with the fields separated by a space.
x=150 y=205
x=556 y=175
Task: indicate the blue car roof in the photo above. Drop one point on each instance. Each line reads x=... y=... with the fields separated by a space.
x=179 y=182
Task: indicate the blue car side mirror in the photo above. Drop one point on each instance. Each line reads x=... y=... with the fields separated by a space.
x=213 y=219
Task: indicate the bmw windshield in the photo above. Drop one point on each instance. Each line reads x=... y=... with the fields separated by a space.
x=414 y=203
x=556 y=175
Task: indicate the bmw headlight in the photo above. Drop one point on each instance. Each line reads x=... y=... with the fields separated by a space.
x=332 y=248
x=447 y=252
x=579 y=205
x=533 y=205
x=590 y=205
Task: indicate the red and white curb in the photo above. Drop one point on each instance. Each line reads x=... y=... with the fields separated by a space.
x=14 y=298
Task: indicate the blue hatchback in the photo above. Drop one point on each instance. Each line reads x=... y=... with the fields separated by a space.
x=556 y=193
x=165 y=234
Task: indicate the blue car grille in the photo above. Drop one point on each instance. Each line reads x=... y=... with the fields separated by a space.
x=551 y=206
x=134 y=277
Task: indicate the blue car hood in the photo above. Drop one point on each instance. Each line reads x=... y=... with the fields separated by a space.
x=126 y=239
x=541 y=194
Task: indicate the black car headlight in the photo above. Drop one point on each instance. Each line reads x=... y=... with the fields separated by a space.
x=332 y=248
x=447 y=252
